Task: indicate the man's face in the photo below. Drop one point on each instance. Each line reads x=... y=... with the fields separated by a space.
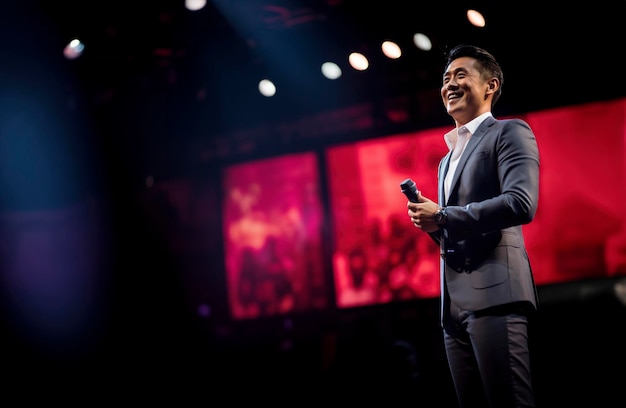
x=464 y=92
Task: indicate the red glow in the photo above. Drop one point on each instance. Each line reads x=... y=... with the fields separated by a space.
x=272 y=230
x=377 y=256
x=580 y=228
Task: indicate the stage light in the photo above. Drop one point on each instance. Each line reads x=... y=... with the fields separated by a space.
x=194 y=5
x=73 y=49
x=267 y=88
x=358 y=61
x=422 y=42
x=476 y=18
x=391 y=50
x=331 y=70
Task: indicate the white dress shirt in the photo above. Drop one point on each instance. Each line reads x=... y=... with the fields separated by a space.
x=456 y=140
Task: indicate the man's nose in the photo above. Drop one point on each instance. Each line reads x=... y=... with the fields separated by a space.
x=451 y=84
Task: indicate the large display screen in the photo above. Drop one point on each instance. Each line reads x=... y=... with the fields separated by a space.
x=273 y=237
x=379 y=256
x=579 y=231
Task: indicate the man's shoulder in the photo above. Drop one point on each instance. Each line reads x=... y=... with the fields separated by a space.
x=507 y=123
x=513 y=120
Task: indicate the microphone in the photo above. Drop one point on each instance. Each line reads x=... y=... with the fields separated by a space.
x=409 y=188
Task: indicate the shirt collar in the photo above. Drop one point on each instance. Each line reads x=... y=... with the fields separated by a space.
x=452 y=136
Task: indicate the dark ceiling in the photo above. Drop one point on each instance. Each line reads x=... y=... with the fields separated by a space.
x=156 y=75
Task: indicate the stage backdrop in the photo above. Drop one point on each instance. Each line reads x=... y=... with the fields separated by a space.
x=273 y=216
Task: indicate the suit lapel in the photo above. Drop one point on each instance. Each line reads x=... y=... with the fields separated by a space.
x=443 y=170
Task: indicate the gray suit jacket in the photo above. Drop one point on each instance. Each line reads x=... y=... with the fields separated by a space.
x=493 y=193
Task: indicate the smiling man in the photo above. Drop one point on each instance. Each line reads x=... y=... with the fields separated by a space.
x=488 y=188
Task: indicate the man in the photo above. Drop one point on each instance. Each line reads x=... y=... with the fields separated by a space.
x=488 y=188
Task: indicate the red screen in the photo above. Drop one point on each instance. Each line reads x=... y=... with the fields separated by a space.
x=273 y=242
x=580 y=228
x=579 y=231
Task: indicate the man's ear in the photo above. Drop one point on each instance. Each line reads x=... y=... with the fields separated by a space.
x=493 y=84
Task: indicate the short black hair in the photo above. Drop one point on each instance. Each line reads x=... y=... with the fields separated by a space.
x=488 y=64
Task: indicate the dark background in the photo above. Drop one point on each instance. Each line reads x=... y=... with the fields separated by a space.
x=99 y=288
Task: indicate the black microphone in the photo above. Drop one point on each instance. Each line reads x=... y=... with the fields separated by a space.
x=409 y=188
